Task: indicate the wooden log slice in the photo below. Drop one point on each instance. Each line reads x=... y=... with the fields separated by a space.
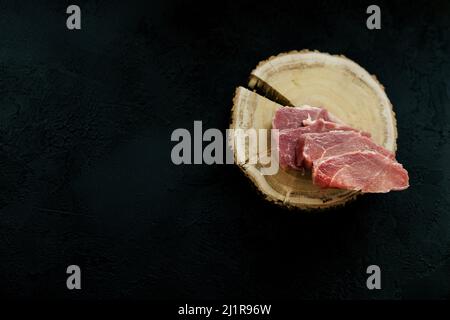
x=317 y=79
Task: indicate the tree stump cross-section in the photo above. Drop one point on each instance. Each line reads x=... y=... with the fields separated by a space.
x=321 y=80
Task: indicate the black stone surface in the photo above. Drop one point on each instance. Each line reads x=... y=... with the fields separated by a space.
x=86 y=176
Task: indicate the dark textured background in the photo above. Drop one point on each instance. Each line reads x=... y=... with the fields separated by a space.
x=86 y=176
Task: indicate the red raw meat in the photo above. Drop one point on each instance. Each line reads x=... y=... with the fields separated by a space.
x=293 y=117
x=288 y=140
x=340 y=156
x=315 y=146
x=368 y=171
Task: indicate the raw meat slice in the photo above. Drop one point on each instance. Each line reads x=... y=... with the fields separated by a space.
x=314 y=146
x=368 y=171
x=293 y=117
x=329 y=126
x=321 y=125
x=288 y=140
x=287 y=148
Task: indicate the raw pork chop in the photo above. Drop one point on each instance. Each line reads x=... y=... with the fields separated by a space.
x=368 y=171
x=293 y=117
x=288 y=140
x=314 y=146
